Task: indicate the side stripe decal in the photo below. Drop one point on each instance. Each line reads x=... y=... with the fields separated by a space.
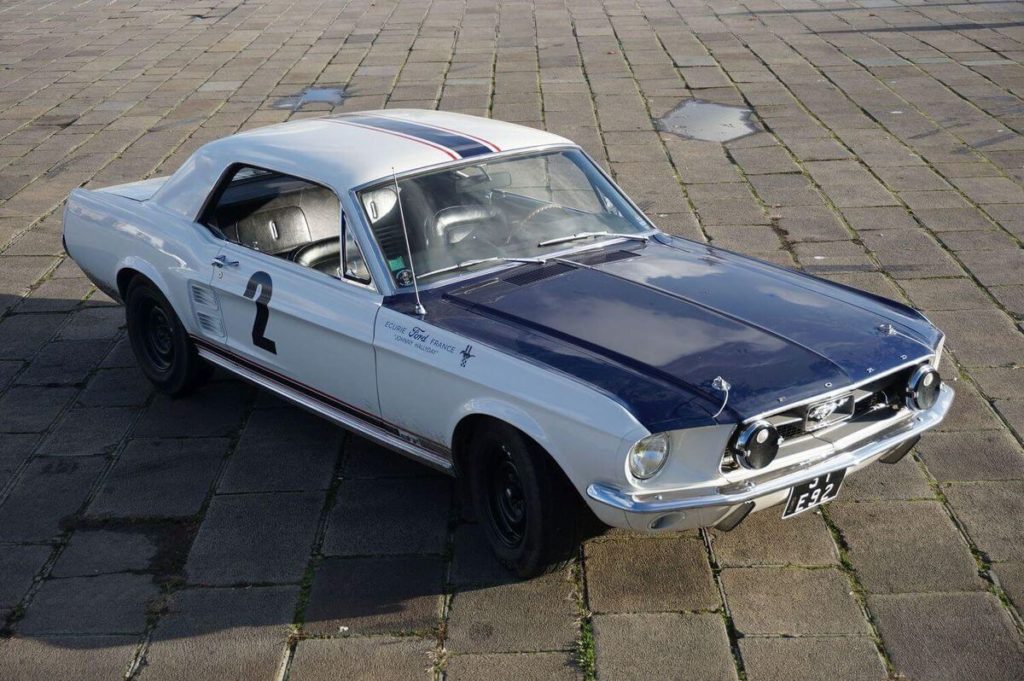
x=315 y=394
x=459 y=144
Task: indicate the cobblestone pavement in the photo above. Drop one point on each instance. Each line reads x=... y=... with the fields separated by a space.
x=231 y=536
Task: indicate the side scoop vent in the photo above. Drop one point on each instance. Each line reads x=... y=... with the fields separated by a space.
x=206 y=309
x=538 y=273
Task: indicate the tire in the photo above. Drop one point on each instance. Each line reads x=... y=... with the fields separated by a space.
x=165 y=353
x=528 y=510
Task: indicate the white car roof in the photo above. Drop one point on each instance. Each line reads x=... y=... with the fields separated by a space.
x=348 y=150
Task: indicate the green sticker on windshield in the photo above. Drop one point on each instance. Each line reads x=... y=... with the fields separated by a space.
x=397 y=263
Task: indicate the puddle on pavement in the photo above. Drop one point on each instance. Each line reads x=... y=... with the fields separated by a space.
x=312 y=95
x=700 y=120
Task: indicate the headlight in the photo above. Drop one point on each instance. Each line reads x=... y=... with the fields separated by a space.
x=648 y=456
x=757 y=445
x=923 y=388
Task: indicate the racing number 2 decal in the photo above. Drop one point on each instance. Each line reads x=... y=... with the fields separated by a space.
x=259 y=325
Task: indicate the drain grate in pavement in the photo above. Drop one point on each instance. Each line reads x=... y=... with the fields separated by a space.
x=311 y=95
x=700 y=120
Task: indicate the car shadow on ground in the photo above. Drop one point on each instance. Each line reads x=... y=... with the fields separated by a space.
x=225 y=513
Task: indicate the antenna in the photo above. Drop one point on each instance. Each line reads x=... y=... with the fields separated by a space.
x=420 y=310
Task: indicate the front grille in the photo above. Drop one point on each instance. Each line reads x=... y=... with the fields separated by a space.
x=886 y=392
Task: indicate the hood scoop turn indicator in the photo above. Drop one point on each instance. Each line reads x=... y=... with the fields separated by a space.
x=605 y=257
x=538 y=274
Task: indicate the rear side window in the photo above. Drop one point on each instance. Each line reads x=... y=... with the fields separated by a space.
x=271 y=212
x=283 y=216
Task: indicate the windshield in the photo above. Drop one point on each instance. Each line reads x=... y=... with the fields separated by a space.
x=473 y=216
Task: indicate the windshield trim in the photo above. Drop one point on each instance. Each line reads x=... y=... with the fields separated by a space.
x=389 y=282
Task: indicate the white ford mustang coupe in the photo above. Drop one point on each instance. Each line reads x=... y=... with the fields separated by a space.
x=481 y=297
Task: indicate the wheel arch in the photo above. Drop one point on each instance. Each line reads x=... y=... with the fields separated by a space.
x=481 y=413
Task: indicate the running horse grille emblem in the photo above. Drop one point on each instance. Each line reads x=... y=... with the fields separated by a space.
x=828 y=412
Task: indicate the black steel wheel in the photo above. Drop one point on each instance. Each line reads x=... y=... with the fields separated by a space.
x=161 y=344
x=526 y=507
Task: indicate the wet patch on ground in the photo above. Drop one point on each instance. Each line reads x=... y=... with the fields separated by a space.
x=701 y=120
x=310 y=97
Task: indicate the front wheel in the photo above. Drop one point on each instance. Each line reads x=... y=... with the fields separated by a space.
x=528 y=510
x=165 y=353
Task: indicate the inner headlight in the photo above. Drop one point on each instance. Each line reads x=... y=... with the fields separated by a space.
x=648 y=456
x=923 y=388
x=757 y=444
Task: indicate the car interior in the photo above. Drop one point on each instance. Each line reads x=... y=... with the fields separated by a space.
x=286 y=217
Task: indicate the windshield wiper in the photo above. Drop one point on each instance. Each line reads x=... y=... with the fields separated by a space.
x=479 y=261
x=587 y=235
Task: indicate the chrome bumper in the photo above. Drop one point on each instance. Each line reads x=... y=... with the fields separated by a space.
x=733 y=494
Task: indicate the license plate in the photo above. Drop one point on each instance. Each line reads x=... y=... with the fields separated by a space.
x=814 y=492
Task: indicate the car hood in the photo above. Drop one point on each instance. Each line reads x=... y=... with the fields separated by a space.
x=685 y=313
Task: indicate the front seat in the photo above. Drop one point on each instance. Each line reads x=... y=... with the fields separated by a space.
x=456 y=224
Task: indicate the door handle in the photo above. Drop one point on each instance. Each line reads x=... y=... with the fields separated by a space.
x=222 y=261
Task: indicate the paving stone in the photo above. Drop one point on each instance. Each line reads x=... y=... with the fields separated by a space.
x=1010 y=577
x=792 y=601
x=512 y=667
x=994 y=268
x=125 y=387
x=946 y=294
x=93 y=323
x=389 y=517
x=982 y=339
x=538 y=614
x=365 y=460
x=362 y=659
x=283 y=450
x=990 y=511
x=228 y=634
x=31 y=410
x=255 y=538
x=18 y=567
x=23 y=335
x=764 y=538
x=47 y=492
x=649 y=575
x=910 y=254
x=14 y=452
x=906 y=546
x=88 y=431
x=95 y=552
x=903 y=480
x=1013 y=412
x=107 y=604
x=83 y=658
x=160 y=478
x=973 y=455
x=668 y=642
x=809 y=659
x=949 y=636
x=64 y=362
x=217 y=409
x=473 y=561
x=1002 y=383
x=951 y=219
x=400 y=594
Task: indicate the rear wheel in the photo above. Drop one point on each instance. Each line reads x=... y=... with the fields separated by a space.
x=528 y=510
x=165 y=353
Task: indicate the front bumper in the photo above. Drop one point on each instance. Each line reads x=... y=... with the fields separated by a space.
x=767 y=490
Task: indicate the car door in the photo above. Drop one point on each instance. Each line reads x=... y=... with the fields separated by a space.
x=293 y=323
